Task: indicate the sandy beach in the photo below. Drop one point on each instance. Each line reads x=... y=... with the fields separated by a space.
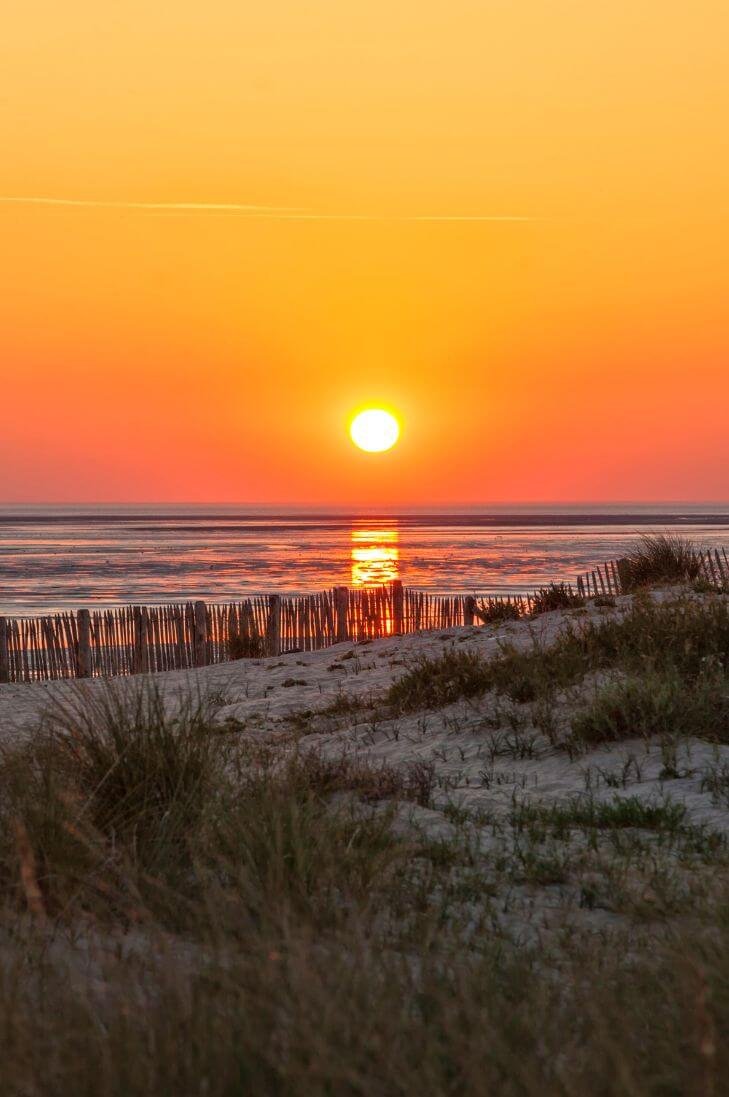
x=470 y=744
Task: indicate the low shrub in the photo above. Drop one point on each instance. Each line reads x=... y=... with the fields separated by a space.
x=555 y=596
x=438 y=681
x=493 y=611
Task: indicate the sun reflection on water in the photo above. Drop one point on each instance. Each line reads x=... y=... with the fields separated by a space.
x=375 y=557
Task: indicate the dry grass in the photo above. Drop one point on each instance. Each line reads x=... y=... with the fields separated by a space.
x=494 y=611
x=555 y=596
x=662 y=558
x=183 y=911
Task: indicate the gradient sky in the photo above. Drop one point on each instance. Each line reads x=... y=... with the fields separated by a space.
x=508 y=219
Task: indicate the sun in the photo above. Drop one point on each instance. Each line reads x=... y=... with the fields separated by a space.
x=374 y=430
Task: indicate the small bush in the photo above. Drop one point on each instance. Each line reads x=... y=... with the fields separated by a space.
x=493 y=611
x=603 y=601
x=664 y=704
x=661 y=558
x=555 y=596
x=434 y=682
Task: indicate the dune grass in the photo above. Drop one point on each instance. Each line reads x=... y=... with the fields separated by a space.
x=619 y=813
x=494 y=611
x=432 y=682
x=658 y=704
x=187 y=911
x=686 y=636
x=336 y=1016
x=555 y=596
x=117 y=809
x=662 y=558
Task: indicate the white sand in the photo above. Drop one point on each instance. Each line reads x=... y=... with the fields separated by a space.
x=476 y=765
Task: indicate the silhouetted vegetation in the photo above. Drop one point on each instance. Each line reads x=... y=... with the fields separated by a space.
x=555 y=596
x=494 y=611
x=661 y=558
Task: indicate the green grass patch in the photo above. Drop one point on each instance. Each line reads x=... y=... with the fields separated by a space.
x=666 y=704
x=685 y=636
x=441 y=680
x=581 y=812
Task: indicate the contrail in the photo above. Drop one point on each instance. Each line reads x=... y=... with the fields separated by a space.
x=233 y=207
x=253 y=212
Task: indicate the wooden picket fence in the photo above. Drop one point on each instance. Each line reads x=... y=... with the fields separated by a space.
x=613 y=577
x=141 y=639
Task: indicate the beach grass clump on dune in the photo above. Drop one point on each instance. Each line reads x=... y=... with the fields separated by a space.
x=661 y=558
x=657 y=704
x=112 y=792
x=291 y=845
x=688 y=636
x=685 y=633
x=120 y=810
x=555 y=596
x=144 y=773
x=440 y=680
x=494 y=611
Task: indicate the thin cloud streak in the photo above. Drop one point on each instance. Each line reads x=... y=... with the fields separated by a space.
x=252 y=212
x=234 y=207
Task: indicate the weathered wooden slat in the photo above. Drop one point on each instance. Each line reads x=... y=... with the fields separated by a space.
x=132 y=640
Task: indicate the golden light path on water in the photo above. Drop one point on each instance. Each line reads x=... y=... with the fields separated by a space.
x=375 y=557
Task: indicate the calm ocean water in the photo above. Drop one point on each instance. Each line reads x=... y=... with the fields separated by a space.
x=66 y=557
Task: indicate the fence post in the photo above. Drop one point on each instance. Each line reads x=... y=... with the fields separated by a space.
x=140 y=661
x=624 y=574
x=341 y=606
x=398 y=608
x=469 y=609
x=273 y=625
x=83 y=650
x=200 y=638
x=4 y=651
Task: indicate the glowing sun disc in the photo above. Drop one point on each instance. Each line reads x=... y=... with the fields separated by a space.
x=374 y=430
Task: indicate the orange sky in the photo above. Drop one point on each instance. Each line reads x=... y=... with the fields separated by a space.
x=201 y=353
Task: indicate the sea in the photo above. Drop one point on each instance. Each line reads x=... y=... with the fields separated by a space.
x=68 y=557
